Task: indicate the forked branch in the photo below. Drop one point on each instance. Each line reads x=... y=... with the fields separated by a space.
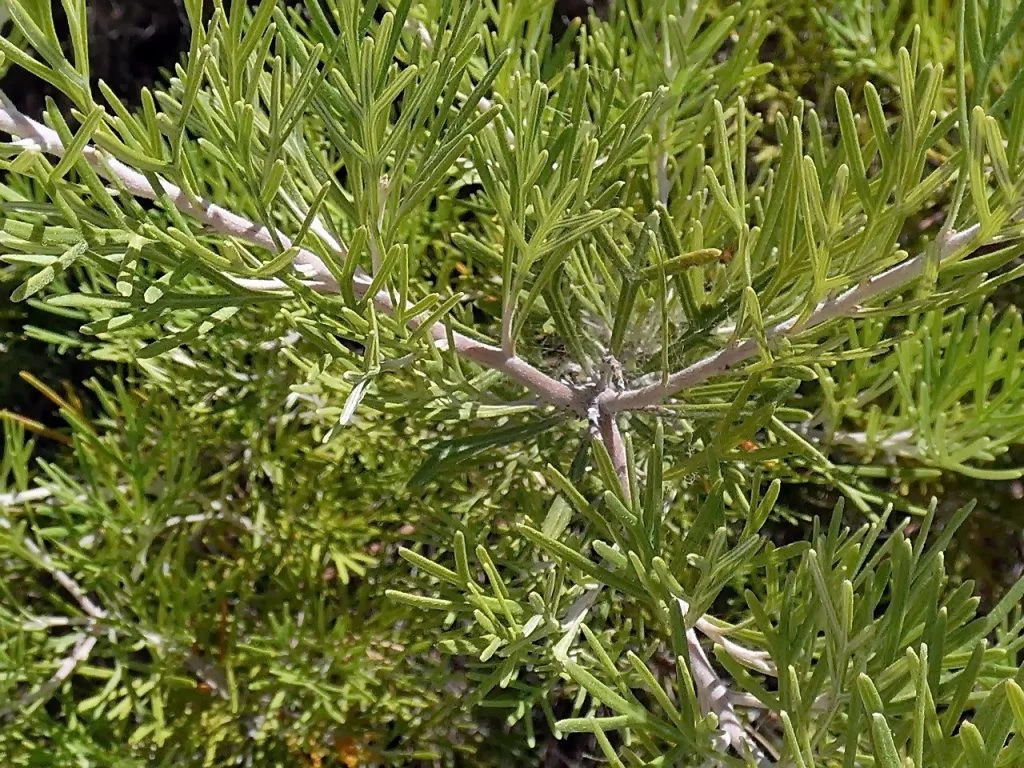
x=32 y=135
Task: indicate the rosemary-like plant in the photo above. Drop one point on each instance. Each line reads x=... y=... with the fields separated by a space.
x=470 y=373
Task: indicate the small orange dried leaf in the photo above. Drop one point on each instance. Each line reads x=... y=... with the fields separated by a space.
x=350 y=752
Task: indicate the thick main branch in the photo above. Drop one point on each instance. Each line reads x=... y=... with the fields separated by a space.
x=33 y=135
x=845 y=304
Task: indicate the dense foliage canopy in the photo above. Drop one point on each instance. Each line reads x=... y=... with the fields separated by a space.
x=478 y=391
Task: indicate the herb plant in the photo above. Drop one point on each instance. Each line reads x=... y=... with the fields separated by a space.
x=474 y=386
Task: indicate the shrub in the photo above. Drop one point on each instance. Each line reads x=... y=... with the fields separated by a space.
x=471 y=377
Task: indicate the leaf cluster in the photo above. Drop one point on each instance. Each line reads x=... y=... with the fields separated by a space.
x=320 y=519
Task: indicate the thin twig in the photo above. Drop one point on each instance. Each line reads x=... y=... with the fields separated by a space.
x=897 y=444
x=761 y=661
x=39 y=623
x=208 y=517
x=607 y=431
x=87 y=640
x=98 y=619
x=715 y=697
x=36 y=136
x=79 y=655
x=61 y=577
x=612 y=439
x=24 y=497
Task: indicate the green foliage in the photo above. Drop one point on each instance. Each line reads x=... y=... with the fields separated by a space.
x=464 y=370
x=215 y=552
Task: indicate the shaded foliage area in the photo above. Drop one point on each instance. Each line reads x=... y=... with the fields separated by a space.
x=131 y=42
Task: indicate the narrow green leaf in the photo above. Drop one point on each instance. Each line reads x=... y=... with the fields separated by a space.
x=886 y=755
x=974 y=746
x=38 y=281
x=851 y=147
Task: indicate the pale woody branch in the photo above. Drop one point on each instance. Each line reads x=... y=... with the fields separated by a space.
x=15 y=499
x=86 y=639
x=79 y=655
x=845 y=304
x=610 y=435
x=715 y=697
x=36 y=136
x=63 y=578
x=97 y=620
